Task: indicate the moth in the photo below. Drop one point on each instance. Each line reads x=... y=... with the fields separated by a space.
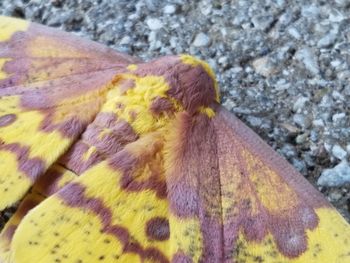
x=113 y=159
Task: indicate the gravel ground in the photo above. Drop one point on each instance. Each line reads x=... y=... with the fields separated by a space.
x=283 y=66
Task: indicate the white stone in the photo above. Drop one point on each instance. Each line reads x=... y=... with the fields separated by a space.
x=338 y=152
x=125 y=40
x=294 y=33
x=301 y=120
x=337 y=176
x=169 y=9
x=263 y=66
x=327 y=146
x=336 y=16
x=201 y=40
x=335 y=63
x=338 y=116
x=154 y=24
x=327 y=40
x=318 y=123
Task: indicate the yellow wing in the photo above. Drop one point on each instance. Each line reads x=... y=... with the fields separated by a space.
x=121 y=217
x=52 y=85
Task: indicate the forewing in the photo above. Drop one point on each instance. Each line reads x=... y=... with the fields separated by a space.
x=241 y=202
x=281 y=217
x=52 y=85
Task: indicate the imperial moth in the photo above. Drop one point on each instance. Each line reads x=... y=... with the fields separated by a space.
x=118 y=160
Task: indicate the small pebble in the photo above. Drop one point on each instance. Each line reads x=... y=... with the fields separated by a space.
x=154 y=24
x=201 y=40
x=337 y=176
x=338 y=152
x=169 y=9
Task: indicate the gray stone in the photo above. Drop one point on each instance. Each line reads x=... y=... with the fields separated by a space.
x=327 y=40
x=336 y=16
x=153 y=5
x=308 y=58
x=301 y=138
x=335 y=196
x=342 y=3
x=344 y=75
x=310 y=11
x=318 y=123
x=300 y=103
x=301 y=120
x=288 y=151
x=294 y=32
x=263 y=66
x=262 y=22
x=254 y=121
x=337 y=176
x=299 y=165
x=206 y=8
x=125 y=40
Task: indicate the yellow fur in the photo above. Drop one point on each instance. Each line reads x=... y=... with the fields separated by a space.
x=208 y=111
x=9 y=26
x=137 y=103
x=132 y=67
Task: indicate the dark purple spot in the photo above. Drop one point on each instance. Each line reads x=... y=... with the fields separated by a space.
x=158 y=229
x=8 y=119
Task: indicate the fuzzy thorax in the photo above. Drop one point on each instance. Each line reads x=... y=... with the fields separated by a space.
x=149 y=94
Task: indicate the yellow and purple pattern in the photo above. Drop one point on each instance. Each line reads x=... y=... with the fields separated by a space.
x=116 y=160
